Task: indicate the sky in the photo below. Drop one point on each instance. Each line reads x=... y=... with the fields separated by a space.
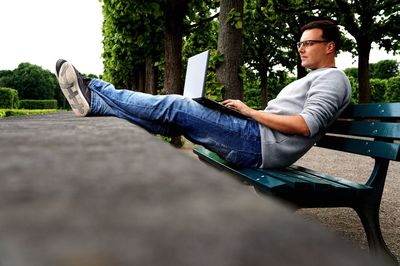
x=42 y=31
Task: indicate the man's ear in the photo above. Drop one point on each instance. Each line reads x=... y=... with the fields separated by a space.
x=331 y=47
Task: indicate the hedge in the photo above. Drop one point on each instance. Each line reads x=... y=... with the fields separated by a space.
x=38 y=104
x=378 y=89
x=8 y=98
x=17 y=112
x=392 y=93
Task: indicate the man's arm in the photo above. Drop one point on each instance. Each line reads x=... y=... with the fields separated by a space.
x=287 y=124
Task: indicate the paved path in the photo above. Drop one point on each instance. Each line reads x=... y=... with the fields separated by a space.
x=100 y=191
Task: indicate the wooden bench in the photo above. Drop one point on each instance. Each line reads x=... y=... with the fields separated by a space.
x=366 y=129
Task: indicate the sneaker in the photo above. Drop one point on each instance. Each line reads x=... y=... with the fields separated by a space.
x=73 y=87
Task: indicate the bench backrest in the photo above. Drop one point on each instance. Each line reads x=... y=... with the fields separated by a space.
x=367 y=129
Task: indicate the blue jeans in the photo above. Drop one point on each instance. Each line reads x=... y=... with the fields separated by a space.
x=234 y=139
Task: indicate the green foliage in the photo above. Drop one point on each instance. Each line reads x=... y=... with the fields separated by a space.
x=367 y=21
x=393 y=90
x=201 y=30
x=378 y=89
x=354 y=89
x=38 y=104
x=382 y=90
x=6 y=76
x=214 y=89
x=92 y=76
x=384 y=75
x=376 y=22
x=351 y=72
x=235 y=19
x=201 y=34
x=269 y=41
x=384 y=69
x=277 y=82
x=32 y=82
x=8 y=98
x=252 y=92
x=132 y=30
x=252 y=89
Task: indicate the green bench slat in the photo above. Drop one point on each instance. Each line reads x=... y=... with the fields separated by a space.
x=290 y=181
x=376 y=149
x=373 y=110
x=385 y=130
x=269 y=182
x=214 y=159
x=316 y=177
x=341 y=181
x=293 y=178
x=301 y=180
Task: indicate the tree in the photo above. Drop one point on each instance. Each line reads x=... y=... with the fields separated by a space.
x=267 y=42
x=230 y=46
x=140 y=35
x=370 y=21
x=133 y=42
x=295 y=14
x=32 y=82
x=174 y=25
x=201 y=27
x=384 y=69
x=367 y=21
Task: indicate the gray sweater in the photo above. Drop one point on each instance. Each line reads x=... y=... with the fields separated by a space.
x=319 y=98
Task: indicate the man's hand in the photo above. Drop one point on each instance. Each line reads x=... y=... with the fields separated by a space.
x=287 y=124
x=238 y=106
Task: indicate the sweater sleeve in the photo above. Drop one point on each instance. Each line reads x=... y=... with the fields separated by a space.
x=329 y=93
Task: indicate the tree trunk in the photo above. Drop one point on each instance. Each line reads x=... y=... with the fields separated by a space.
x=175 y=11
x=150 y=76
x=264 y=91
x=230 y=45
x=136 y=83
x=364 y=49
x=141 y=80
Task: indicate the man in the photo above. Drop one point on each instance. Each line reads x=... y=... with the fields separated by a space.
x=274 y=137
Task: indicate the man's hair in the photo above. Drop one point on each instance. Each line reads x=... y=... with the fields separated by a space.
x=330 y=31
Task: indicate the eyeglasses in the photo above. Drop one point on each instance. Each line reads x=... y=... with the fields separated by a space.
x=309 y=43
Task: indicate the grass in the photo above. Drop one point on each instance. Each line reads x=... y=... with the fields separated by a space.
x=16 y=112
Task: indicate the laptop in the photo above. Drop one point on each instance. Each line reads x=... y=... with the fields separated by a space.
x=195 y=80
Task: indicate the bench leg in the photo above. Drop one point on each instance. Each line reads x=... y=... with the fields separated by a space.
x=369 y=217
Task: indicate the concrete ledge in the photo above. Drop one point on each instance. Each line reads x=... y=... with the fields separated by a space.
x=101 y=191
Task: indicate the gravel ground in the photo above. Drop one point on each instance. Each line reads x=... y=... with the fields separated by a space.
x=345 y=221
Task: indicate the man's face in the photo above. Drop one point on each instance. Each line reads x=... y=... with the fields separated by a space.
x=315 y=54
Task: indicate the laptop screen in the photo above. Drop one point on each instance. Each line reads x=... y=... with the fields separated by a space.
x=196 y=73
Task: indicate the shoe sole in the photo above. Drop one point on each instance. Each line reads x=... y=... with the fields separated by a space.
x=69 y=84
